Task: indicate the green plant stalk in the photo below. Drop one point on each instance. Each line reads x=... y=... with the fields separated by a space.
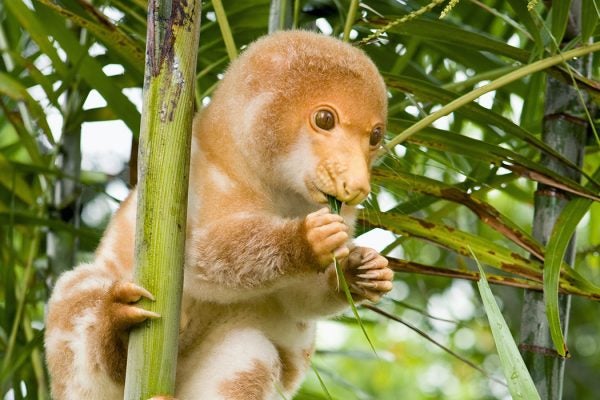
x=496 y=84
x=172 y=44
x=335 y=205
x=544 y=318
x=62 y=246
x=350 y=18
x=280 y=15
x=296 y=20
x=225 y=29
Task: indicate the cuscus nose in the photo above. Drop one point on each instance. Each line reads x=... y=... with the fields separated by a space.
x=353 y=187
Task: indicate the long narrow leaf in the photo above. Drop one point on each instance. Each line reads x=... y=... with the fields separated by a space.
x=496 y=84
x=520 y=384
x=91 y=70
x=563 y=231
x=560 y=18
x=486 y=213
x=496 y=155
x=458 y=241
x=111 y=36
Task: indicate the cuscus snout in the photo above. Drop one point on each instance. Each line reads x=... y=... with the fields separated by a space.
x=347 y=180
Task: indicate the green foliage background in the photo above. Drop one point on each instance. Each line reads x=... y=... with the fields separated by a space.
x=467 y=179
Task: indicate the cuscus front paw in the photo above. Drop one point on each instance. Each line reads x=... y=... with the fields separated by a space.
x=327 y=235
x=367 y=274
x=121 y=307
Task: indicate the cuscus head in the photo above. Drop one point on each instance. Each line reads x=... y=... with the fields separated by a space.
x=313 y=110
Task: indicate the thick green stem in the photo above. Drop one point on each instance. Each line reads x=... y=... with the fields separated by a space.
x=565 y=129
x=172 y=43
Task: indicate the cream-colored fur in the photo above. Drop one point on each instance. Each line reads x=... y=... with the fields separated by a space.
x=260 y=240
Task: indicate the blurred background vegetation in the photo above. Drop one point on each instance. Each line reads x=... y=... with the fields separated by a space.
x=70 y=93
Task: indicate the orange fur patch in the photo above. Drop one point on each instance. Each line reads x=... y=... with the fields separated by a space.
x=254 y=384
x=289 y=368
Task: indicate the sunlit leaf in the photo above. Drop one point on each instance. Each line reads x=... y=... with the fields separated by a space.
x=520 y=384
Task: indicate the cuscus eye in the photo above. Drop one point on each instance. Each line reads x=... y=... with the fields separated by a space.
x=324 y=119
x=376 y=137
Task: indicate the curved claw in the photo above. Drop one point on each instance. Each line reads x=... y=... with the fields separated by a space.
x=129 y=292
x=121 y=308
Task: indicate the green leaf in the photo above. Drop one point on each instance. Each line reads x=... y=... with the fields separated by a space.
x=563 y=231
x=321 y=382
x=13 y=181
x=473 y=111
x=37 y=30
x=90 y=69
x=495 y=155
x=589 y=19
x=524 y=16
x=444 y=32
x=560 y=18
x=15 y=90
x=459 y=241
x=520 y=384
x=494 y=85
x=555 y=251
x=486 y=213
x=111 y=36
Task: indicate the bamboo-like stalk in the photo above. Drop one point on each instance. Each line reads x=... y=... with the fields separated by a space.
x=281 y=15
x=565 y=128
x=171 y=52
x=61 y=246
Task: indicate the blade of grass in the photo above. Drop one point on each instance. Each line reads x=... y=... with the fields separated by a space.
x=433 y=341
x=335 y=206
x=321 y=382
x=463 y=243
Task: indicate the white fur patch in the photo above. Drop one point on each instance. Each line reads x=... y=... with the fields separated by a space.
x=244 y=123
x=84 y=380
x=92 y=279
x=219 y=358
x=298 y=164
x=220 y=179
